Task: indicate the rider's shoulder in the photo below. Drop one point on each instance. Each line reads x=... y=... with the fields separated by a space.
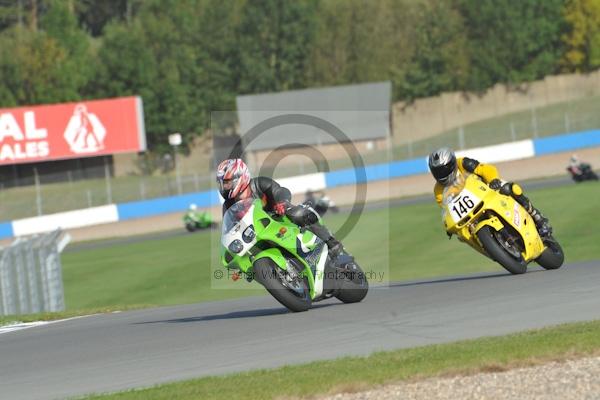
x=263 y=182
x=262 y=179
x=468 y=164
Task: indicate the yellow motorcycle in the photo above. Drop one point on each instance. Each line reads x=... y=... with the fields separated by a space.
x=496 y=226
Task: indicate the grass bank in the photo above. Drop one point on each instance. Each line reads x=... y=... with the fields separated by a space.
x=360 y=373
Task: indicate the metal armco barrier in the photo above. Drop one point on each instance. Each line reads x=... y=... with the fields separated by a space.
x=31 y=274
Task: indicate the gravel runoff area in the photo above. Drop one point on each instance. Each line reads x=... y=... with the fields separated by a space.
x=573 y=379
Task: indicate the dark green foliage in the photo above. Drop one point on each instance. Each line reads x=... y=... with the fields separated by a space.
x=274 y=38
x=511 y=41
x=94 y=15
x=440 y=60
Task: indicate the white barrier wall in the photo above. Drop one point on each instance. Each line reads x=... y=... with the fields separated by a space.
x=66 y=220
x=501 y=152
x=300 y=184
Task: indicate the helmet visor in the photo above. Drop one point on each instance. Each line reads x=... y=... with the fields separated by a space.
x=443 y=173
x=226 y=186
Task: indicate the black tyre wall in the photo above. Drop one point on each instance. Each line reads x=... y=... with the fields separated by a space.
x=265 y=274
x=553 y=257
x=497 y=252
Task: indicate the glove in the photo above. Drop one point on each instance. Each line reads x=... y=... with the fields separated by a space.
x=280 y=208
x=495 y=184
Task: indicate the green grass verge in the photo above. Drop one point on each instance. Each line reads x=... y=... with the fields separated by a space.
x=402 y=243
x=359 y=373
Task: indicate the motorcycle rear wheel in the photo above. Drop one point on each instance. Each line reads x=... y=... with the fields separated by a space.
x=553 y=257
x=354 y=286
x=498 y=253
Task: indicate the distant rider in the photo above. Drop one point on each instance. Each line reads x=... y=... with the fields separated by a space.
x=574 y=161
x=235 y=184
x=192 y=212
x=445 y=167
x=576 y=166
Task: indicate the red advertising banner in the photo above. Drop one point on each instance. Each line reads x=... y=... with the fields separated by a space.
x=71 y=130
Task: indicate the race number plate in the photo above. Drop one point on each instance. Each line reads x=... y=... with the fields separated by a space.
x=462 y=205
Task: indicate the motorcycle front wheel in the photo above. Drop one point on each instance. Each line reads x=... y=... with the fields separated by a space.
x=490 y=242
x=292 y=293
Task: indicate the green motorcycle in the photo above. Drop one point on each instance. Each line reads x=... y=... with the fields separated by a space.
x=291 y=262
x=194 y=220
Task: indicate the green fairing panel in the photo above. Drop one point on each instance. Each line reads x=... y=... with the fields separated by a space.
x=272 y=234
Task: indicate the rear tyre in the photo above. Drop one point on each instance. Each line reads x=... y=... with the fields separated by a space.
x=553 y=257
x=498 y=253
x=354 y=286
x=295 y=297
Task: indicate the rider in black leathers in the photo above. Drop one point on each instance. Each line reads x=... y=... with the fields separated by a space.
x=235 y=184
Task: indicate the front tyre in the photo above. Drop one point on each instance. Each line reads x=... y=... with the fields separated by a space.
x=295 y=295
x=553 y=257
x=498 y=253
x=354 y=285
x=190 y=226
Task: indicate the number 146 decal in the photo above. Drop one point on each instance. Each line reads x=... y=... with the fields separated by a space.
x=463 y=204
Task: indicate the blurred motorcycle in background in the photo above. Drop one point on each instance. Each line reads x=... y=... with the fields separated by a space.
x=195 y=220
x=581 y=171
x=320 y=202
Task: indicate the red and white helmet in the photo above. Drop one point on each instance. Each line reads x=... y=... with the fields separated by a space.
x=233 y=177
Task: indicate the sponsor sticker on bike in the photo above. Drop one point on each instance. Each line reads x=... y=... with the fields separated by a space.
x=516 y=216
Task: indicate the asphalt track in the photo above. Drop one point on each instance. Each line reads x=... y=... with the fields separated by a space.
x=111 y=352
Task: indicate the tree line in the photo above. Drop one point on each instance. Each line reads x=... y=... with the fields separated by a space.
x=186 y=58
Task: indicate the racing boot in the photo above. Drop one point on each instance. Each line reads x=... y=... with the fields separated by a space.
x=335 y=247
x=541 y=223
